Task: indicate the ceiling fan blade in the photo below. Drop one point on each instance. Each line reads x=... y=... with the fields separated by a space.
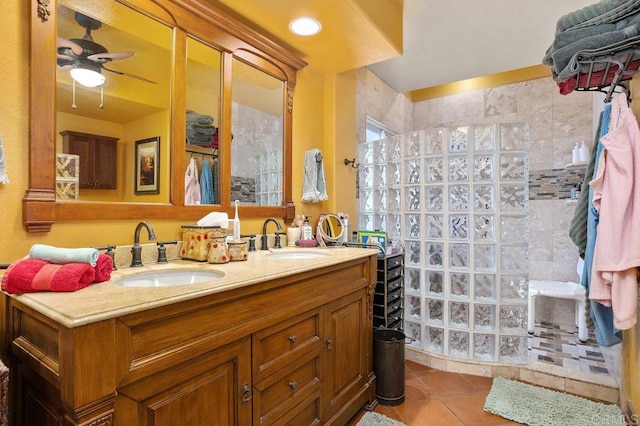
x=115 y=56
x=129 y=75
x=66 y=67
x=63 y=57
x=75 y=48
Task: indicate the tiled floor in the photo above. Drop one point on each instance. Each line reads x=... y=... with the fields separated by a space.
x=438 y=398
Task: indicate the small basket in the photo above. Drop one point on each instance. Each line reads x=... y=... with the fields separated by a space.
x=196 y=241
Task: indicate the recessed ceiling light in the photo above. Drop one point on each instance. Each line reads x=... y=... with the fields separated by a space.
x=305 y=26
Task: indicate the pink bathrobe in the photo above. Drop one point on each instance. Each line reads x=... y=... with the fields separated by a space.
x=617 y=197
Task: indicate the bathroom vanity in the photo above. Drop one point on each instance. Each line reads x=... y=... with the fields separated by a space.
x=272 y=340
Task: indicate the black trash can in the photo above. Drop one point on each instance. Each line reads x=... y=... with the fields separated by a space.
x=388 y=364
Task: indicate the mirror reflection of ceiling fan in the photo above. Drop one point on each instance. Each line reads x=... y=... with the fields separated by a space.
x=85 y=59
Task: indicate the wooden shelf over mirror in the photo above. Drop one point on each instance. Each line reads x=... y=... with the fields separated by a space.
x=230 y=39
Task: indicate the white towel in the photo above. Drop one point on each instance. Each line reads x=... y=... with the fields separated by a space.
x=3 y=171
x=191 y=184
x=314 y=187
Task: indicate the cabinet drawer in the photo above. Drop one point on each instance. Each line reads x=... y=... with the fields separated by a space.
x=280 y=393
x=394 y=284
x=392 y=296
x=394 y=261
x=277 y=346
x=390 y=273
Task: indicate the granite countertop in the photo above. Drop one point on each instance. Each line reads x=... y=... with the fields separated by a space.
x=106 y=300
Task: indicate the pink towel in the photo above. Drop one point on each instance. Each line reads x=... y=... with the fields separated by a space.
x=103 y=268
x=32 y=275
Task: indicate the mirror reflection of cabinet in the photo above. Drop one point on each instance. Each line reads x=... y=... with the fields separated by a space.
x=203 y=41
x=97 y=158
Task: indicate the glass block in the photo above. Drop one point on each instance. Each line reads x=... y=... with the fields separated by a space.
x=435 y=198
x=459 y=285
x=459 y=139
x=459 y=226
x=513 y=197
x=412 y=145
x=485 y=136
x=435 y=339
x=380 y=200
x=413 y=307
x=513 y=318
x=435 y=226
x=484 y=317
x=483 y=167
x=380 y=221
x=434 y=169
x=484 y=346
x=275 y=199
x=412 y=197
x=435 y=311
x=484 y=227
x=459 y=255
x=413 y=252
x=435 y=254
x=366 y=222
x=434 y=141
x=459 y=344
x=459 y=314
x=435 y=283
x=366 y=177
x=395 y=177
x=274 y=181
x=413 y=331
x=395 y=226
x=485 y=286
x=413 y=225
x=513 y=349
x=264 y=164
x=380 y=151
x=412 y=171
x=485 y=256
x=513 y=258
x=366 y=200
x=393 y=147
x=513 y=288
x=514 y=229
x=395 y=199
x=380 y=175
x=514 y=136
x=459 y=197
x=458 y=169
x=513 y=167
x=67 y=189
x=483 y=197
x=412 y=280
x=67 y=168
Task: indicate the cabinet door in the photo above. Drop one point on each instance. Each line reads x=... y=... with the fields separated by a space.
x=83 y=147
x=212 y=389
x=346 y=328
x=104 y=160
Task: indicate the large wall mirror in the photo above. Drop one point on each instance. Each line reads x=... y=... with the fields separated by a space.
x=175 y=83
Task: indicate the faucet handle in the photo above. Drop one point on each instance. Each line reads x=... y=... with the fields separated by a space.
x=276 y=244
x=252 y=241
x=162 y=250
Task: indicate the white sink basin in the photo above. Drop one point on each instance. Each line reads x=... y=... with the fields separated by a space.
x=298 y=255
x=169 y=278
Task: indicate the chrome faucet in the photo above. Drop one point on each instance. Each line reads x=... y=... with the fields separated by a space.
x=263 y=238
x=136 y=250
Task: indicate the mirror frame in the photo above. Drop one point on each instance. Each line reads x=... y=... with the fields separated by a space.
x=202 y=21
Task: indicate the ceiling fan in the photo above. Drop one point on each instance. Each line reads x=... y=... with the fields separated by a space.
x=84 y=58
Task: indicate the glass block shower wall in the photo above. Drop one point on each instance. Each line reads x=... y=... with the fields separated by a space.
x=458 y=199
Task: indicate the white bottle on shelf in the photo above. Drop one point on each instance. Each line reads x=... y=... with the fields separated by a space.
x=575 y=154
x=584 y=153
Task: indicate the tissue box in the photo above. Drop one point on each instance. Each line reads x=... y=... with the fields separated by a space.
x=196 y=241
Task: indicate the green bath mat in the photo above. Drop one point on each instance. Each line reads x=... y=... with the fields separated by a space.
x=536 y=406
x=371 y=418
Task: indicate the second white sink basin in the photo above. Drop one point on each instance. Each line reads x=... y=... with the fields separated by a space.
x=298 y=255
x=169 y=278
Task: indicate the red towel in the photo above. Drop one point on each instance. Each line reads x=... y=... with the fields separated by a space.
x=31 y=275
x=103 y=268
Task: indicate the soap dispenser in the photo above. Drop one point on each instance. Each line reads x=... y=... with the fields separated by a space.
x=584 y=153
x=575 y=154
x=236 y=223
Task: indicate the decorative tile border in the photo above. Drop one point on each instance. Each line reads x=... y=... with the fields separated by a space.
x=554 y=184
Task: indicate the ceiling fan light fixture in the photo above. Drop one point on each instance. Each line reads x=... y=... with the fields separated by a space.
x=305 y=26
x=87 y=74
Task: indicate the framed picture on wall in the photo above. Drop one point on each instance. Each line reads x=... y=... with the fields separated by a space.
x=147 y=166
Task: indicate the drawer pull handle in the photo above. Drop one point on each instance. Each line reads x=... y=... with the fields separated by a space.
x=293 y=339
x=329 y=344
x=246 y=392
x=293 y=385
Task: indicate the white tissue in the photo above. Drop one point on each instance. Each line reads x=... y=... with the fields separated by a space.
x=215 y=219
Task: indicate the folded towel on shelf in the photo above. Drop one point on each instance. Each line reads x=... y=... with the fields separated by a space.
x=603 y=12
x=194 y=117
x=63 y=255
x=103 y=268
x=314 y=187
x=32 y=275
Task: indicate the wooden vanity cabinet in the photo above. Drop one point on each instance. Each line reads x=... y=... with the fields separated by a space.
x=98 y=158
x=294 y=350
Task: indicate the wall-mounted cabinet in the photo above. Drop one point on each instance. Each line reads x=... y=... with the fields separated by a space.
x=97 y=155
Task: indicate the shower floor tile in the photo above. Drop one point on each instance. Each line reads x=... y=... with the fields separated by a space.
x=553 y=344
